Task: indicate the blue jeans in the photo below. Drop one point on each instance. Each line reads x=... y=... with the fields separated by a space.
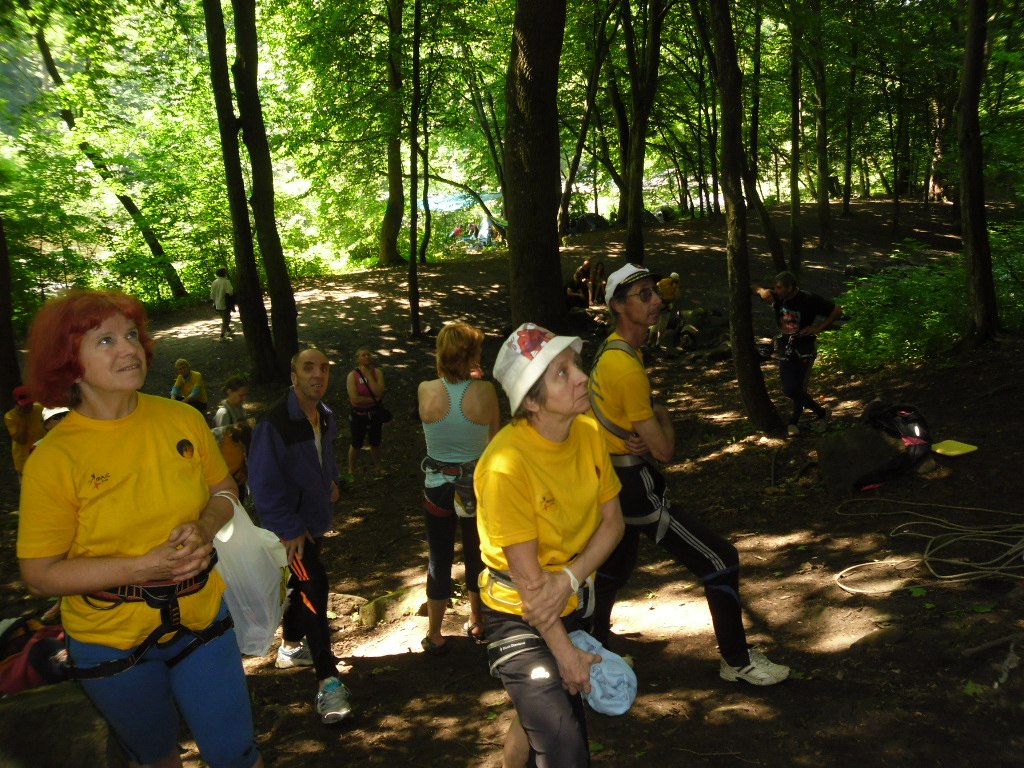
x=208 y=687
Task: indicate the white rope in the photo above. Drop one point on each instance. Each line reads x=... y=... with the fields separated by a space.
x=949 y=547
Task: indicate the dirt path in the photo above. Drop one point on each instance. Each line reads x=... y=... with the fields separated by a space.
x=879 y=679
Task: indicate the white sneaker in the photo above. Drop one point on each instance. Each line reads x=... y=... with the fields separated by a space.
x=332 y=701
x=299 y=656
x=760 y=671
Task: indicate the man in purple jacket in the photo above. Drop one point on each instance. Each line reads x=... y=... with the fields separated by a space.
x=293 y=478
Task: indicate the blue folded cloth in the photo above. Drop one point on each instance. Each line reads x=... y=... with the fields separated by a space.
x=612 y=681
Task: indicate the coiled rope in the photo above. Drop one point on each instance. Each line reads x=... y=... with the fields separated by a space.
x=946 y=544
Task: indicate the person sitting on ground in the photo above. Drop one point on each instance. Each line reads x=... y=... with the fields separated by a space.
x=637 y=432
x=548 y=515
x=233 y=430
x=669 y=287
x=24 y=423
x=668 y=320
x=795 y=313
x=189 y=386
x=460 y=415
x=577 y=289
x=118 y=519
x=596 y=283
x=365 y=388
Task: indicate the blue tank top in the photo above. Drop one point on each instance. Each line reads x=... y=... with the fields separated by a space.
x=454 y=439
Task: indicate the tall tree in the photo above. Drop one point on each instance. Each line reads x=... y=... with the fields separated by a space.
x=248 y=288
x=283 y=313
x=391 y=224
x=795 y=132
x=102 y=167
x=532 y=162
x=10 y=377
x=818 y=78
x=982 y=312
x=598 y=42
x=748 y=366
x=414 y=164
x=643 y=55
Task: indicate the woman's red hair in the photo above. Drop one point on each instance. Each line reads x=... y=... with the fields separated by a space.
x=458 y=350
x=55 y=338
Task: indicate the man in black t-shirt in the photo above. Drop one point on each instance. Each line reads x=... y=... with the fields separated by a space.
x=796 y=312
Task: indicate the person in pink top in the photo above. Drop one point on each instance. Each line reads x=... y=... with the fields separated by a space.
x=365 y=387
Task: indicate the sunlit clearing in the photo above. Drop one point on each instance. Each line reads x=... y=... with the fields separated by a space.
x=660 y=619
x=198 y=328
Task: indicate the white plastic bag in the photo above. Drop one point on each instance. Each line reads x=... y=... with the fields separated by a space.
x=254 y=564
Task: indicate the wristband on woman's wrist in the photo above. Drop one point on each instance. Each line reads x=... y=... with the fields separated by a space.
x=574 y=583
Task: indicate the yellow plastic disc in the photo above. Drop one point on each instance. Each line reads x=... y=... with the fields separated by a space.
x=953 y=448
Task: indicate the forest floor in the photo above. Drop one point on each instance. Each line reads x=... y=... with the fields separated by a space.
x=880 y=674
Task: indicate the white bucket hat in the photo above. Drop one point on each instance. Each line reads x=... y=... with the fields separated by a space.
x=524 y=357
x=626 y=275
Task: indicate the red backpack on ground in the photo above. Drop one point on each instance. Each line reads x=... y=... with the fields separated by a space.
x=31 y=654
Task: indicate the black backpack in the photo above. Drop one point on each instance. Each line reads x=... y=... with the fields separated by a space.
x=904 y=422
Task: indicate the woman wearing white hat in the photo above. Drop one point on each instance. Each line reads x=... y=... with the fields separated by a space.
x=548 y=514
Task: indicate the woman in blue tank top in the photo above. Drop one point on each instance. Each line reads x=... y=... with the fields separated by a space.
x=460 y=415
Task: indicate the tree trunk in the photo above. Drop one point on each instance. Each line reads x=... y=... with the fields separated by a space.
x=391 y=224
x=486 y=118
x=795 y=105
x=283 y=314
x=248 y=289
x=622 y=127
x=428 y=219
x=593 y=78
x=98 y=162
x=643 y=60
x=751 y=167
x=414 y=164
x=982 y=312
x=10 y=375
x=748 y=367
x=848 y=159
x=825 y=243
x=532 y=163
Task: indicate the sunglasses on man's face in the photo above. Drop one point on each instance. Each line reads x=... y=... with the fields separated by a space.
x=645 y=294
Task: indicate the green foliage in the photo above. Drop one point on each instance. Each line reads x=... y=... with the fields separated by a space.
x=1008 y=273
x=909 y=314
x=901 y=315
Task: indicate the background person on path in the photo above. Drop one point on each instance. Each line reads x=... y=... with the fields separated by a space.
x=221 y=294
x=365 y=388
x=795 y=313
x=637 y=432
x=460 y=415
x=293 y=479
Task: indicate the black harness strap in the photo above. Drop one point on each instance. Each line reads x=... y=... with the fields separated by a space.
x=163 y=596
x=449 y=469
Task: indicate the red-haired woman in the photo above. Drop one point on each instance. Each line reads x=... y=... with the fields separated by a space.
x=460 y=415
x=118 y=512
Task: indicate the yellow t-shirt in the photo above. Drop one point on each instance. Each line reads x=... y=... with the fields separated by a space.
x=669 y=287
x=530 y=488
x=620 y=386
x=195 y=382
x=97 y=488
x=36 y=431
